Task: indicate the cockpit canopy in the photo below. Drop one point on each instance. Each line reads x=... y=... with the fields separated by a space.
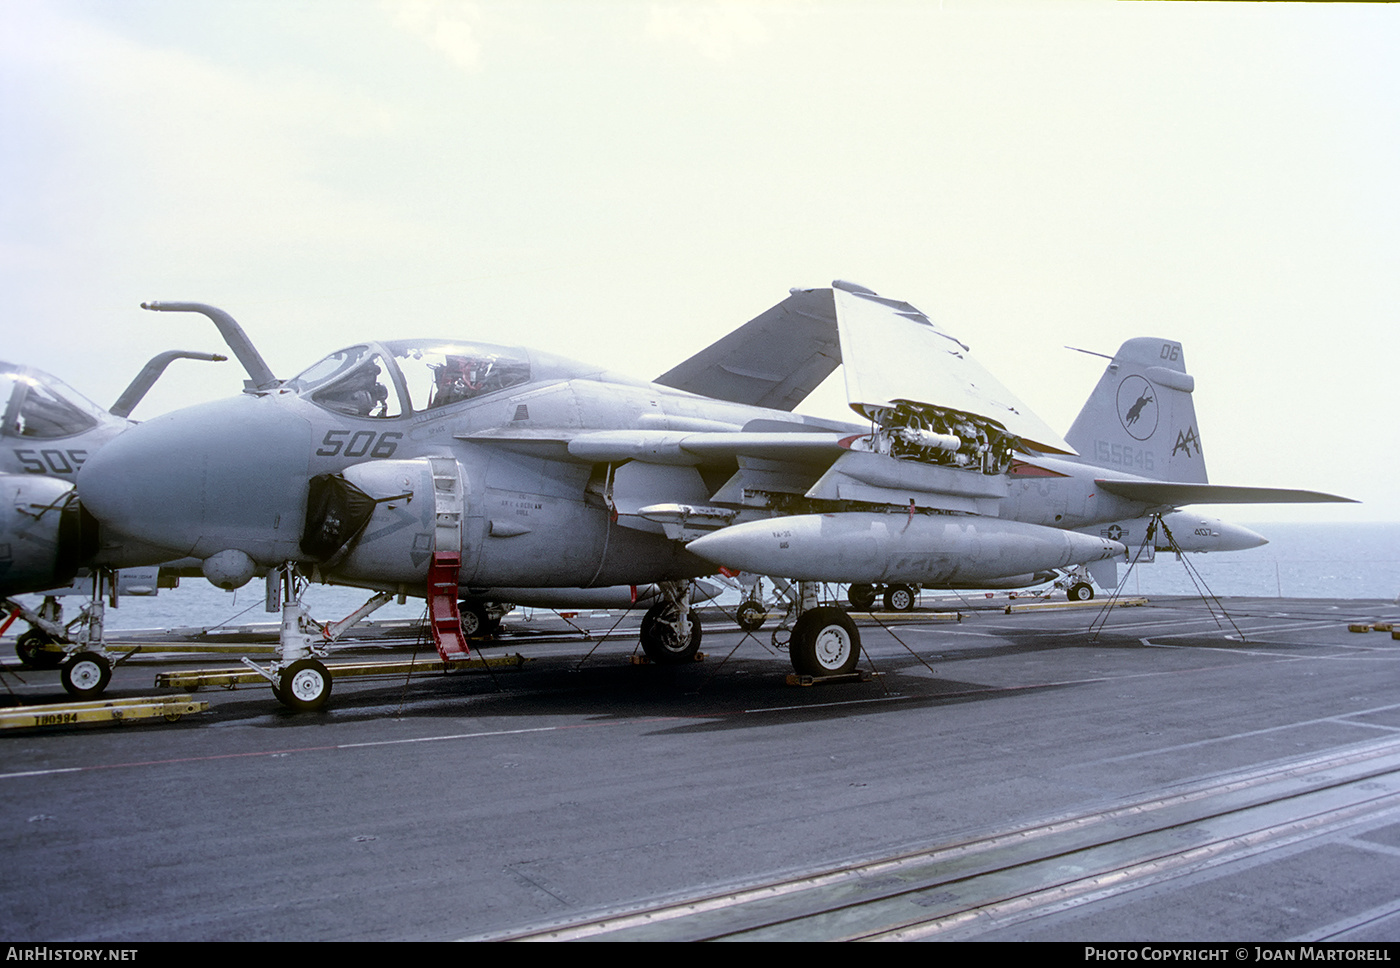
x=409 y=376
x=38 y=406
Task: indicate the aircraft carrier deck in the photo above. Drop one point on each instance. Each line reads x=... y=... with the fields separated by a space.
x=1176 y=776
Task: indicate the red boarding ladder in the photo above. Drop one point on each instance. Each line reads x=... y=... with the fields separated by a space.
x=443 y=617
x=449 y=502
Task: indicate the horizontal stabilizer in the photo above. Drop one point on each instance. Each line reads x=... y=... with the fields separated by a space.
x=1175 y=494
x=774 y=360
x=892 y=352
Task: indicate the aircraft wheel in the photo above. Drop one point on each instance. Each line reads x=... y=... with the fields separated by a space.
x=1081 y=591
x=900 y=598
x=861 y=597
x=662 y=641
x=305 y=684
x=473 y=618
x=476 y=622
x=824 y=642
x=86 y=675
x=751 y=615
x=32 y=654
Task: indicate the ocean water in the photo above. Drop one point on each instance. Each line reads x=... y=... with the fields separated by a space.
x=1300 y=561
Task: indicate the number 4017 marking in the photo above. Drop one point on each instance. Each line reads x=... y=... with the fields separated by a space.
x=361 y=443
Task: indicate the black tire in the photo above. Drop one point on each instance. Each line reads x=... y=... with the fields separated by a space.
x=30 y=647
x=900 y=598
x=477 y=622
x=85 y=675
x=751 y=615
x=861 y=597
x=660 y=640
x=1081 y=591
x=472 y=618
x=304 y=685
x=824 y=643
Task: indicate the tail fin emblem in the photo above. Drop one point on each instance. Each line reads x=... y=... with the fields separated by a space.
x=1137 y=407
x=1184 y=440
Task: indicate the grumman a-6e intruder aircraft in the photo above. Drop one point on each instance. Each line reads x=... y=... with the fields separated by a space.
x=447 y=469
x=47 y=432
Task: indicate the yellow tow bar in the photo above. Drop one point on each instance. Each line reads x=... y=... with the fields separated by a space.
x=232 y=678
x=100 y=711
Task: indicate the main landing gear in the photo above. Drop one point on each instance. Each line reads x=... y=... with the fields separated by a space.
x=670 y=633
x=824 y=641
x=481 y=619
x=862 y=597
x=897 y=598
x=900 y=598
x=1076 y=584
x=752 y=612
x=750 y=615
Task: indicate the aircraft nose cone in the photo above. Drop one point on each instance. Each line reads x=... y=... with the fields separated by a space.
x=228 y=474
x=1236 y=537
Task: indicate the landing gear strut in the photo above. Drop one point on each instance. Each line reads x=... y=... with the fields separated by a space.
x=87 y=668
x=299 y=679
x=670 y=634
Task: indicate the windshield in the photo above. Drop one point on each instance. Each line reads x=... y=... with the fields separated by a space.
x=367 y=380
x=438 y=374
x=41 y=406
x=354 y=381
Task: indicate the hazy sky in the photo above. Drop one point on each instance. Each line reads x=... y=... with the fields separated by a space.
x=627 y=181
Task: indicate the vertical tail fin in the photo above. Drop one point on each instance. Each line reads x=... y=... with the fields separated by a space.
x=1140 y=419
